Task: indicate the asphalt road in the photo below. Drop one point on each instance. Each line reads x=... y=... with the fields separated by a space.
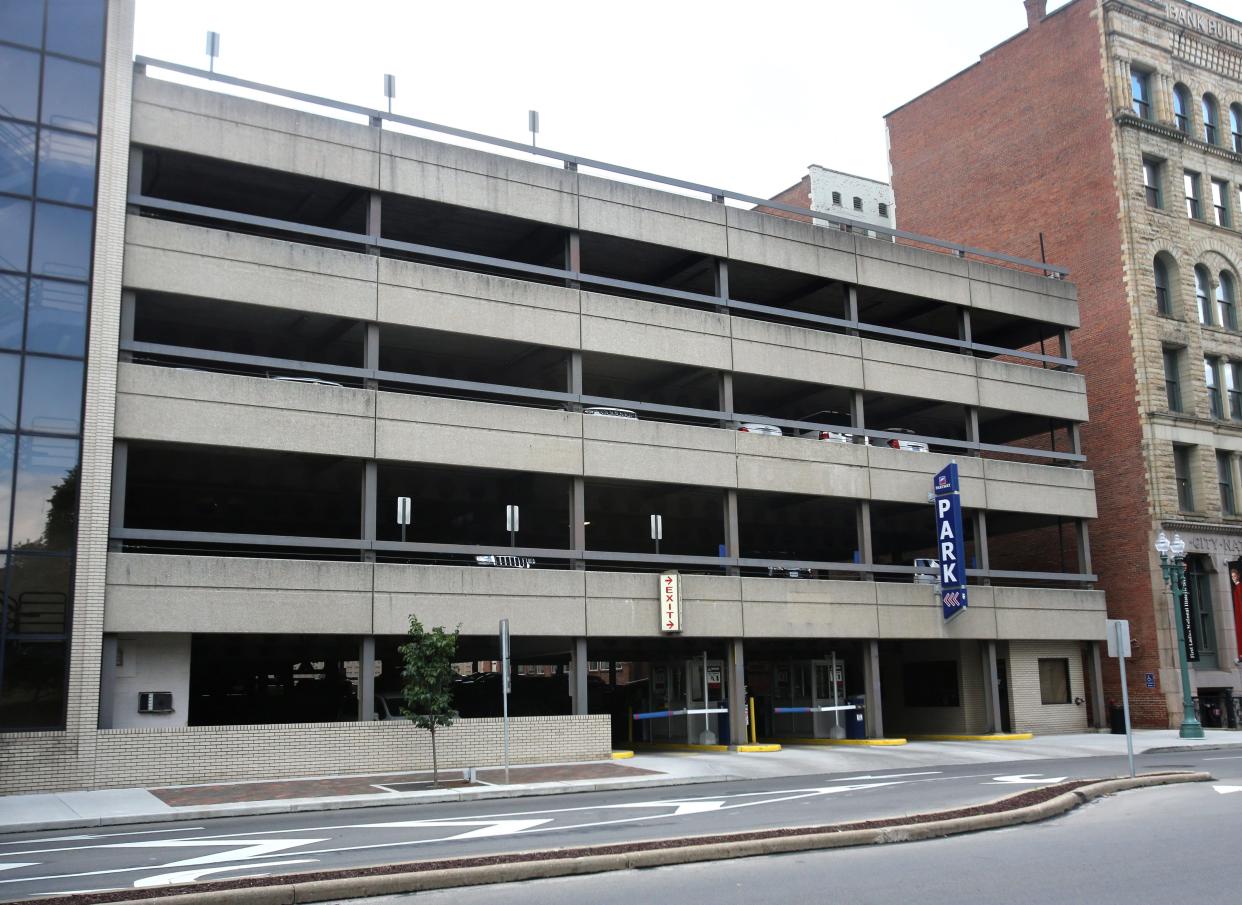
x=1167 y=844
x=228 y=848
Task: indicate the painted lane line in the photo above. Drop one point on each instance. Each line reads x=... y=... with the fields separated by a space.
x=485 y=828
x=251 y=848
x=890 y=776
x=192 y=876
x=14 y=865
x=1227 y=790
x=1025 y=778
x=74 y=848
x=1236 y=757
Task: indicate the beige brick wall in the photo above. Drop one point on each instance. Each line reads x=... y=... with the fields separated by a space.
x=1028 y=714
x=122 y=758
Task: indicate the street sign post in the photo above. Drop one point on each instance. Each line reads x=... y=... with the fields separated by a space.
x=670 y=602
x=950 y=545
x=512 y=524
x=657 y=531
x=504 y=688
x=1119 y=647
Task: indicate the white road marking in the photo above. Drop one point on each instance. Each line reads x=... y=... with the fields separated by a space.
x=1227 y=790
x=1025 y=778
x=251 y=848
x=190 y=876
x=891 y=776
x=80 y=838
x=14 y=865
x=682 y=807
x=1236 y=757
x=485 y=827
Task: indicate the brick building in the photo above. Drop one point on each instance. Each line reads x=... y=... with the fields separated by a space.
x=1108 y=135
x=843 y=195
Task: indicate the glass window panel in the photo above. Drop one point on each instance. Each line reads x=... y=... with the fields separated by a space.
x=9 y=369
x=19 y=82
x=76 y=27
x=38 y=595
x=32 y=685
x=16 y=158
x=66 y=167
x=12 y=305
x=62 y=242
x=56 y=318
x=52 y=395
x=45 y=494
x=8 y=446
x=70 y=95
x=21 y=21
x=14 y=233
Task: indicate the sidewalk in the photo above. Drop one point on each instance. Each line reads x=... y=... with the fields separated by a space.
x=106 y=807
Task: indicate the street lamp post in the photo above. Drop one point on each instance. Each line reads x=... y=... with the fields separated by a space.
x=1173 y=568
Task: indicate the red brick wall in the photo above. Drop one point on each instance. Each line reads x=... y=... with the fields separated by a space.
x=798 y=194
x=1018 y=144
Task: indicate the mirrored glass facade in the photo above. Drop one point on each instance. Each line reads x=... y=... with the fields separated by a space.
x=51 y=54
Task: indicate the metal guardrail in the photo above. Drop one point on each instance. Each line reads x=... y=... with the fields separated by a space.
x=378 y=117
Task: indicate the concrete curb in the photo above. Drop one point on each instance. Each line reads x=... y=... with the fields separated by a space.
x=295 y=806
x=1178 y=749
x=390 y=884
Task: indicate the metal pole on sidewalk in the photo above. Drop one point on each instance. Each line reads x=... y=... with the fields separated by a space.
x=1125 y=697
x=504 y=688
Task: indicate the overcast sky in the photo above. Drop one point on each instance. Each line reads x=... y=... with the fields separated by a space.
x=741 y=95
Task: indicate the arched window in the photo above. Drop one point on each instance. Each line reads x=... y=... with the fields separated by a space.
x=1235 y=126
x=1211 y=119
x=1181 y=107
x=1225 y=301
x=1203 y=293
x=1161 y=271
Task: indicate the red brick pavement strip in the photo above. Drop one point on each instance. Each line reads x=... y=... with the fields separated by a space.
x=280 y=790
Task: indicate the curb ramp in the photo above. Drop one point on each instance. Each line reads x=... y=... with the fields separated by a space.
x=539 y=865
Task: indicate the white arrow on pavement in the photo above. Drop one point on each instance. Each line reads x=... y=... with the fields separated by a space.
x=14 y=865
x=1227 y=790
x=1031 y=778
x=251 y=848
x=683 y=807
x=485 y=827
x=190 y=876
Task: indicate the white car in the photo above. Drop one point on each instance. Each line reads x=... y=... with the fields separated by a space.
x=768 y=430
x=607 y=411
x=895 y=443
x=828 y=417
x=504 y=561
x=926 y=571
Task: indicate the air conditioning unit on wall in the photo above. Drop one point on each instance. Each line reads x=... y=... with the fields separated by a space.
x=155 y=702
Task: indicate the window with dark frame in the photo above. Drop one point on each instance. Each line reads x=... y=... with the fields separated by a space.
x=1226 y=301
x=1140 y=92
x=883 y=210
x=1181 y=108
x=1235 y=126
x=836 y=198
x=1054 y=680
x=1181 y=476
x=1211 y=378
x=1151 y=182
x=857 y=203
x=1173 y=379
x=1203 y=294
x=1224 y=479
x=1193 y=208
x=1160 y=272
x=1220 y=202
x=1210 y=119
x=1233 y=389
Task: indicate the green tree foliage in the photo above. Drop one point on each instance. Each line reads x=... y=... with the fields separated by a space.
x=427 y=660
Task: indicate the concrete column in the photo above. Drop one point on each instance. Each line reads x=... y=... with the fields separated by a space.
x=875 y=699
x=1084 y=549
x=370 y=511
x=116 y=510
x=865 y=553
x=129 y=302
x=722 y=284
x=1075 y=439
x=735 y=667
x=991 y=687
x=982 y=558
x=366 y=679
x=851 y=308
x=725 y=400
x=577 y=519
x=134 y=177
x=374 y=204
x=858 y=415
x=972 y=424
x=965 y=332
x=107 y=681
x=573 y=378
x=732 y=531
x=573 y=256
x=371 y=353
x=1097 y=686
x=578 y=677
x=1067 y=349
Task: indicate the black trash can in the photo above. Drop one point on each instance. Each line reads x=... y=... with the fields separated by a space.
x=1116 y=719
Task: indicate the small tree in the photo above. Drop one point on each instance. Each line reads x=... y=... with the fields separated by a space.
x=427 y=688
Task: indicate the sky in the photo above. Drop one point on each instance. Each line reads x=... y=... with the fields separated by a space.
x=740 y=95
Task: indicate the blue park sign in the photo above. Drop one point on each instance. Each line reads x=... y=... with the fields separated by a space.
x=950 y=544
